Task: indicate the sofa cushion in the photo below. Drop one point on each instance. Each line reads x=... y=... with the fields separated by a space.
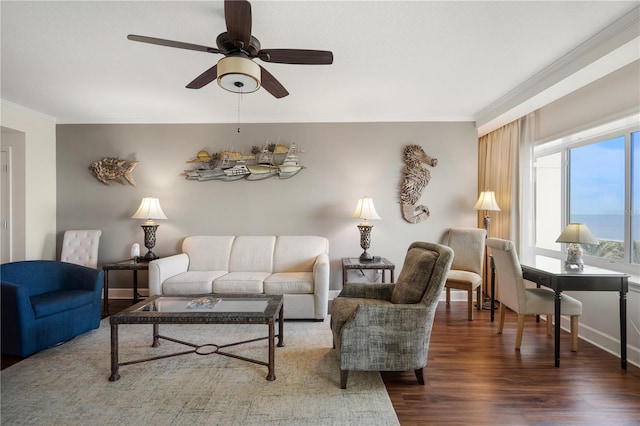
x=289 y=283
x=208 y=253
x=298 y=253
x=252 y=254
x=240 y=282
x=59 y=301
x=191 y=282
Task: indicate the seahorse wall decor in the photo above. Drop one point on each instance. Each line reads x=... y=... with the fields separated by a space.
x=415 y=179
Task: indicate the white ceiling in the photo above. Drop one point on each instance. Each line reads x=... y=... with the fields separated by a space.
x=393 y=60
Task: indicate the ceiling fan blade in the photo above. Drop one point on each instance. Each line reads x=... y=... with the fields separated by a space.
x=272 y=85
x=205 y=78
x=237 y=15
x=172 y=43
x=296 y=56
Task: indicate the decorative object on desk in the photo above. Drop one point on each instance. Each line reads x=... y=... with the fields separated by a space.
x=135 y=251
x=415 y=179
x=576 y=234
x=487 y=202
x=111 y=168
x=149 y=209
x=365 y=210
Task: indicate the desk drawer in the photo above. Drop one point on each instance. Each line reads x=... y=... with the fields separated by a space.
x=537 y=277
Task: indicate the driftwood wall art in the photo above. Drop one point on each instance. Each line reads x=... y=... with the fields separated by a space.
x=272 y=160
x=112 y=168
x=415 y=178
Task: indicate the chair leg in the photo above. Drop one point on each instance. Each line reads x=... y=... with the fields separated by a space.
x=479 y=297
x=501 y=325
x=549 y=325
x=574 y=333
x=519 y=332
x=448 y=292
x=419 y=376
x=470 y=305
x=343 y=378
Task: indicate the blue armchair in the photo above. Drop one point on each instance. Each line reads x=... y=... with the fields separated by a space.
x=46 y=302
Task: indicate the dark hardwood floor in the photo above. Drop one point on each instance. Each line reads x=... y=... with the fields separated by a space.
x=475 y=376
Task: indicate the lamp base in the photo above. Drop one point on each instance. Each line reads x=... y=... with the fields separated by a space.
x=147 y=257
x=365 y=242
x=571 y=266
x=366 y=257
x=574 y=260
x=149 y=242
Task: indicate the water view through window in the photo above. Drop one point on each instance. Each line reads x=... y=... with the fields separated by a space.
x=597 y=194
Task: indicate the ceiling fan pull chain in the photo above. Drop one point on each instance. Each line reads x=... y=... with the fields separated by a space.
x=239 y=96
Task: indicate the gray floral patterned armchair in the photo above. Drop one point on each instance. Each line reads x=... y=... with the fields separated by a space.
x=387 y=327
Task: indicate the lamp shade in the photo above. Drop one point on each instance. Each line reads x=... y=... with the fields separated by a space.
x=365 y=209
x=149 y=209
x=487 y=201
x=577 y=233
x=238 y=74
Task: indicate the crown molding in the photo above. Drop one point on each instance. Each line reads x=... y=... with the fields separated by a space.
x=610 y=49
x=18 y=107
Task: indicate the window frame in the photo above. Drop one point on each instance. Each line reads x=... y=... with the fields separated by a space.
x=595 y=134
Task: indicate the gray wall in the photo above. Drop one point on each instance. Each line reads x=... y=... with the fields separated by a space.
x=344 y=161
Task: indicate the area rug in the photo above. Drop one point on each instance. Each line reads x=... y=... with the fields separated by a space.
x=68 y=384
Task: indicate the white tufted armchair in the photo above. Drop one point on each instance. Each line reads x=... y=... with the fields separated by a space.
x=81 y=247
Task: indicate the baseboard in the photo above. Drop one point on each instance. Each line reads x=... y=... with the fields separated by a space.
x=604 y=341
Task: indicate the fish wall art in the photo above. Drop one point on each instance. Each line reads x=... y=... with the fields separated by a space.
x=112 y=168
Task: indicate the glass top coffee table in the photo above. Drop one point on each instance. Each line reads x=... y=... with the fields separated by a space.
x=202 y=309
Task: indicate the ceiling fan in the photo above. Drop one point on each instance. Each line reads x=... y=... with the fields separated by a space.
x=237 y=72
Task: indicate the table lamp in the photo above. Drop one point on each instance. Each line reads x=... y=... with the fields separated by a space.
x=149 y=209
x=576 y=234
x=487 y=202
x=365 y=210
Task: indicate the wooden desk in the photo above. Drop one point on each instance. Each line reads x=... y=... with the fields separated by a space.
x=550 y=273
x=355 y=263
x=125 y=265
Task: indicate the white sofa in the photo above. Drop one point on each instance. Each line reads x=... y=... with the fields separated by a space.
x=295 y=266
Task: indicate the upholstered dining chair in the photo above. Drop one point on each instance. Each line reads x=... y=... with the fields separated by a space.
x=466 y=270
x=387 y=327
x=81 y=247
x=513 y=294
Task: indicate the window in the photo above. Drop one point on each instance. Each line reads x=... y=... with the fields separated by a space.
x=592 y=177
x=597 y=195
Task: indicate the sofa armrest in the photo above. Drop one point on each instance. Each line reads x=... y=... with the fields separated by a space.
x=367 y=291
x=164 y=268
x=81 y=277
x=16 y=316
x=321 y=271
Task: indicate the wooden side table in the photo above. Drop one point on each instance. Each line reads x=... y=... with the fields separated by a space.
x=349 y=263
x=125 y=265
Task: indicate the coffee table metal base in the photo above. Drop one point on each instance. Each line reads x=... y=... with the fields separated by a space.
x=205 y=349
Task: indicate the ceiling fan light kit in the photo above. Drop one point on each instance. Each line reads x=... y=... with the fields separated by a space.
x=238 y=74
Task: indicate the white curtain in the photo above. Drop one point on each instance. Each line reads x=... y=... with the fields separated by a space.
x=523 y=225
